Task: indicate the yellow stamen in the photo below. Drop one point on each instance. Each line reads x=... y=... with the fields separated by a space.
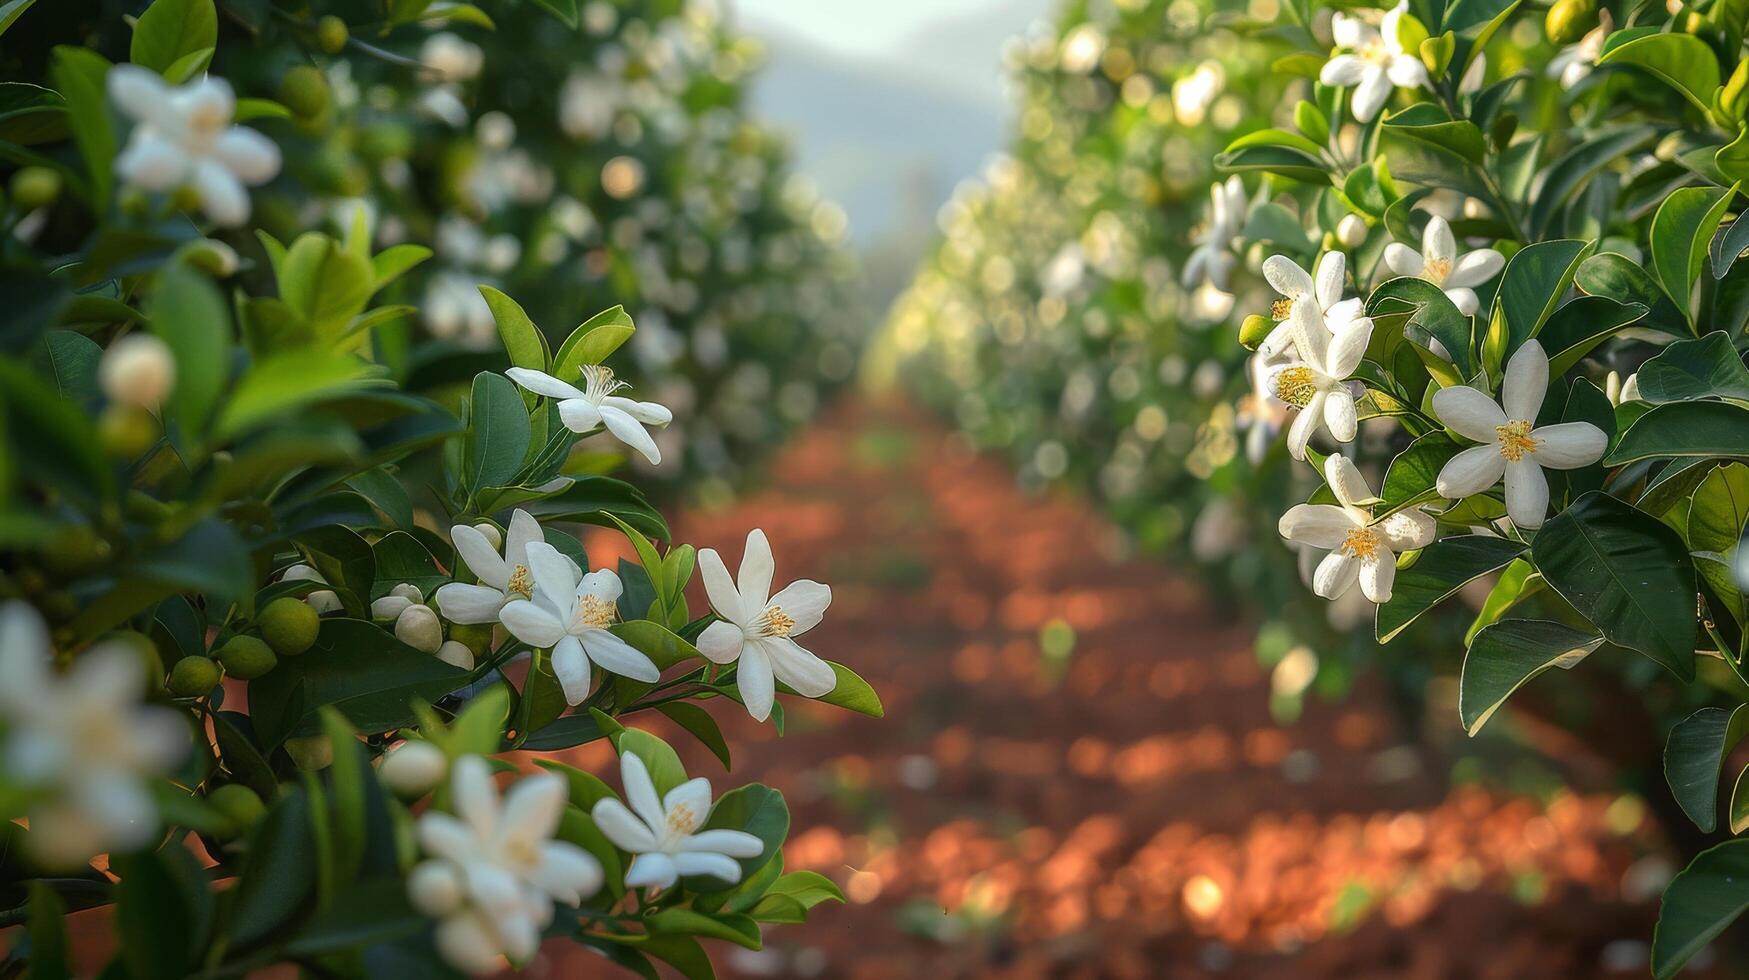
x=1281 y=309
x=774 y=622
x=681 y=819
x=594 y=612
x=1515 y=439
x=521 y=583
x=1362 y=543
x=1296 y=386
x=1437 y=269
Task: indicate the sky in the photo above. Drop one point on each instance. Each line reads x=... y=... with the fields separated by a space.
x=860 y=28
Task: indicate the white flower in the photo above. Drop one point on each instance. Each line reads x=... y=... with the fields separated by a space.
x=418 y=627
x=396 y=602
x=137 y=370
x=759 y=628
x=1307 y=304
x=324 y=601
x=664 y=833
x=1359 y=548
x=501 y=577
x=1192 y=94
x=1474 y=76
x=596 y=404
x=1438 y=262
x=456 y=654
x=412 y=768
x=183 y=137
x=455 y=310
x=1351 y=231
x=1316 y=383
x=1376 y=63
x=1621 y=392
x=452 y=58
x=1212 y=260
x=1259 y=415
x=1509 y=444
x=82 y=740
x=571 y=615
x=1575 y=61
x=494 y=869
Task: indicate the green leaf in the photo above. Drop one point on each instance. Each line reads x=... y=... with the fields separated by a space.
x=47 y=927
x=345 y=560
x=371 y=677
x=1726 y=249
x=498 y=433
x=1532 y=287
x=1694 y=756
x=1576 y=167
x=1508 y=655
x=851 y=693
x=1443 y=567
x=1685 y=429
x=1682 y=61
x=1618 y=277
x=188 y=313
x=564 y=10
x=325 y=283
x=1627 y=573
x=1717 y=514
x=278 y=871
x=479 y=729
x=393 y=262
x=1580 y=325
x=658 y=757
x=171 y=29
x=69 y=360
x=579 y=828
x=10 y=12
x=1706 y=367
x=1426 y=146
x=1432 y=312
x=163 y=912
x=351 y=779
x=31 y=114
x=701 y=725
x=1699 y=903
x=78 y=74
x=737 y=929
x=592 y=342
x=401 y=557
x=281 y=384
x=1519 y=581
x=522 y=339
x=1681 y=230
x=808 y=888
x=1412 y=475
x=1739 y=808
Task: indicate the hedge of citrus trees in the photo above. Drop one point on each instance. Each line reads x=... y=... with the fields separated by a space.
x=310 y=368
x=1477 y=270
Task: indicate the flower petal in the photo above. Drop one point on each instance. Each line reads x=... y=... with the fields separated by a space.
x=482 y=559
x=222 y=195
x=1409 y=529
x=1345 y=480
x=753 y=677
x=542 y=383
x=566 y=872
x=1285 y=276
x=1469 y=413
x=754 y=580
x=641 y=791
x=1299 y=434
x=721 y=642
x=532 y=623
x=708 y=864
x=1475 y=268
x=1527 y=381
x=1569 y=445
x=1407 y=71
x=251 y=156
x=631 y=432
x=798 y=667
x=1318 y=525
x=554 y=575
x=622 y=827
x=1343 y=70
x=1377 y=576
x=473 y=794
x=1464 y=298
x=524 y=530
x=616 y=656
x=571 y=667
x=463 y=603
x=1348 y=347
x=1403 y=260
x=532 y=807
x=579 y=415
x=1470 y=472
x=1332 y=269
x=1335 y=574
x=734 y=843
x=649 y=413
x=1527 y=494
x=1370 y=95
x=804 y=601
x=654 y=869
x=695 y=796
x=1339 y=415
x=720 y=588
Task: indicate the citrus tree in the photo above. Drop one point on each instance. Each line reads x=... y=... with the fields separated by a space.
x=284 y=580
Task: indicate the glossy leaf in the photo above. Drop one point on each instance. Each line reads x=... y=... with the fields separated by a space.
x=1509 y=654
x=1441 y=569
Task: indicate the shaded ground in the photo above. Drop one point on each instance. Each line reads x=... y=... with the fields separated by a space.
x=1127 y=810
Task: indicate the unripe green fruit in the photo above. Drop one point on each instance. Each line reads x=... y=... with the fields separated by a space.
x=289 y=625
x=1568 y=20
x=246 y=657
x=35 y=187
x=304 y=90
x=331 y=34
x=477 y=637
x=193 y=677
x=1253 y=331
x=72 y=548
x=126 y=431
x=238 y=804
x=310 y=752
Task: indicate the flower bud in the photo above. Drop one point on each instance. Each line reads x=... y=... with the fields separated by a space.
x=1351 y=231
x=211 y=256
x=1254 y=330
x=456 y=654
x=490 y=532
x=325 y=601
x=137 y=370
x=418 y=627
x=35 y=187
x=392 y=605
x=435 y=888
x=332 y=34
x=310 y=752
x=1568 y=20
x=413 y=768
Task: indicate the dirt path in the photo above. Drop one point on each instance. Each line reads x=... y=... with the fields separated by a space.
x=1131 y=809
